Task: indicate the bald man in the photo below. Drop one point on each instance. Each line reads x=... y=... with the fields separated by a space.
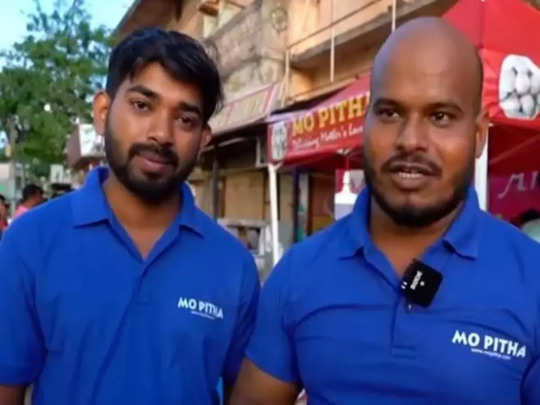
x=417 y=297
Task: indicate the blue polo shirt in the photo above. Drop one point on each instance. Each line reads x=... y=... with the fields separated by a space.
x=332 y=318
x=90 y=322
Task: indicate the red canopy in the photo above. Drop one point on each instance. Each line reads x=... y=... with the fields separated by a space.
x=504 y=31
x=325 y=134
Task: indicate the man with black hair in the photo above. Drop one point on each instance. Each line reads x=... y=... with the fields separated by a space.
x=131 y=294
x=32 y=196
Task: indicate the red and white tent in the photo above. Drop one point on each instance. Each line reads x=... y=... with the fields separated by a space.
x=505 y=32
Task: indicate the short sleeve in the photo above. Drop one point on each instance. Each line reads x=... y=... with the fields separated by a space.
x=272 y=346
x=21 y=342
x=245 y=321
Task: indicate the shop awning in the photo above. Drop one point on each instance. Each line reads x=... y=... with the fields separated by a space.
x=247 y=109
x=325 y=133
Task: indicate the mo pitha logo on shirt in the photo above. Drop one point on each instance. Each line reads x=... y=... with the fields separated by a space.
x=201 y=308
x=491 y=346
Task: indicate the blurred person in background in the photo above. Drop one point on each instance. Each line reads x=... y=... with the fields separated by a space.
x=32 y=196
x=4 y=212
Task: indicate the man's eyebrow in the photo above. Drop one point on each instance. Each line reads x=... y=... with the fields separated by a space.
x=145 y=91
x=449 y=103
x=384 y=100
x=190 y=108
x=446 y=104
x=182 y=105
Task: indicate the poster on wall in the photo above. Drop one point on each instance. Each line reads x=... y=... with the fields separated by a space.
x=349 y=183
x=516 y=198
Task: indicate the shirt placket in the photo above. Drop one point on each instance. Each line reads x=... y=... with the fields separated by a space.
x=408 y=330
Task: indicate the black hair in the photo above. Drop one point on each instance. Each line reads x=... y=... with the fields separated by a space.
x=2 y=198
x=31 y=190
x=529 y=215
x=180 y=55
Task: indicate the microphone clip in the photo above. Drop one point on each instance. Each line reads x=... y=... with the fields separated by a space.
x=420 y=283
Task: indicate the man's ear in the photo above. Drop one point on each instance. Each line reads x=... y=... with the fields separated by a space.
x=101 y=105
x=482 y=128
x=206 y=136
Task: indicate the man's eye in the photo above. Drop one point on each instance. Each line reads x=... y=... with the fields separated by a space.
x=187 y=121
x=387 y=114
x=140 y=105
x=441 y=117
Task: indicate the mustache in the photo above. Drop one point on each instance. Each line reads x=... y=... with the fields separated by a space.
x=164 y=153
x=416 y=161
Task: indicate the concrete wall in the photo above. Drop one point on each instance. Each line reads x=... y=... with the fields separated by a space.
x=191 y=21
x=311 y=77
x=365 y=26
x=351 y=61
x=249 y=38
x=248 y=48
x=245 y=195
x=307 y=17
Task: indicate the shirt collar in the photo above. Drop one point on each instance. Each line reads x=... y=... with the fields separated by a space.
x=464 y=233
x=462 y=236
x=190 y=217
x=357 y=229
x=90 y=205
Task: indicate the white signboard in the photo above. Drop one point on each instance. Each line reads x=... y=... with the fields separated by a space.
x=5 y=169
x=92 y=144
x=353 y=183
x=59 y=174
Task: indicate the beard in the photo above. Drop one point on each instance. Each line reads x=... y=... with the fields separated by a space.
x=151 y=188
x=412 y=216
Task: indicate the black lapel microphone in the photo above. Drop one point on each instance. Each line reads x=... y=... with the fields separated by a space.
x=420 y=283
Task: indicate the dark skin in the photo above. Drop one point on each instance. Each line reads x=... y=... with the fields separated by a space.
x=431 y=110
x=153 y=107
x=425 y=102
x=12 y=395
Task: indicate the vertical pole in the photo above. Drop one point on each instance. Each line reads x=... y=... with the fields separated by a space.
x=394 y=6
x=333 y=44
x=481 y=178
x=215 y=183
x=295 y=204
x=12 y=179
x=287 y=78
x=272 y=176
